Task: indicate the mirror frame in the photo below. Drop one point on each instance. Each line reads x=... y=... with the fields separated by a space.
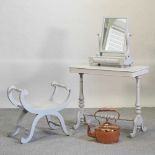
x=103 y=38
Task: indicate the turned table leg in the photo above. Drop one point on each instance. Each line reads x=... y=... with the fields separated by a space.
x=138 y=121
x=80 y=116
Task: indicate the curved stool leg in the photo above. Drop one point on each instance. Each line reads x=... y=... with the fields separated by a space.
x=35 y=121
x=62 y=123
x=51 y=124
x=17 y=129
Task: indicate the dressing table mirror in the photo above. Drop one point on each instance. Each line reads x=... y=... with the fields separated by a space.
x=113 y=44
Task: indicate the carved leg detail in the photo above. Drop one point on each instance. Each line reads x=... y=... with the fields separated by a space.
x=51 y=124
x=80 y=119
x=135 y=127
x=138 y=121
x=26 y=140
x=18 y=127
x=138 y=126
x=64 y=128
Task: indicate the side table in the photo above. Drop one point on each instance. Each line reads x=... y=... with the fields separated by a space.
x=135 y=72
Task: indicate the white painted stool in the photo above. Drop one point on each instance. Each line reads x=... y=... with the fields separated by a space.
x=50 y=109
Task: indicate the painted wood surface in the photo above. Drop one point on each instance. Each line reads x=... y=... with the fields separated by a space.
x=40 y=110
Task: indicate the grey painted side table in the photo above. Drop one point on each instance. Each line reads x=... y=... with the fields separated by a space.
x=134 y=71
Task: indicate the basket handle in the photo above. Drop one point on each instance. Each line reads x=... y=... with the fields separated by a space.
x=106 y=110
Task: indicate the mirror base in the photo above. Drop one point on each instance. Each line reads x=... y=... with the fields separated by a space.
x=121 y=61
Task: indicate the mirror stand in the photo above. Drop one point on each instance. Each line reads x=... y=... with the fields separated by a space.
x=113 y=44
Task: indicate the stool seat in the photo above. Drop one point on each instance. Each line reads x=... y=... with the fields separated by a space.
x=46 y=108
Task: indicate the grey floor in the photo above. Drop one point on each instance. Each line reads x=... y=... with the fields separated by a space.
x=54 y=142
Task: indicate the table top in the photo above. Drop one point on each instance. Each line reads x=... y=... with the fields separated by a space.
x=132 y=71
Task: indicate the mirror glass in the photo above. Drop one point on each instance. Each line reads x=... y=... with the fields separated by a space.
x=114 y=35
